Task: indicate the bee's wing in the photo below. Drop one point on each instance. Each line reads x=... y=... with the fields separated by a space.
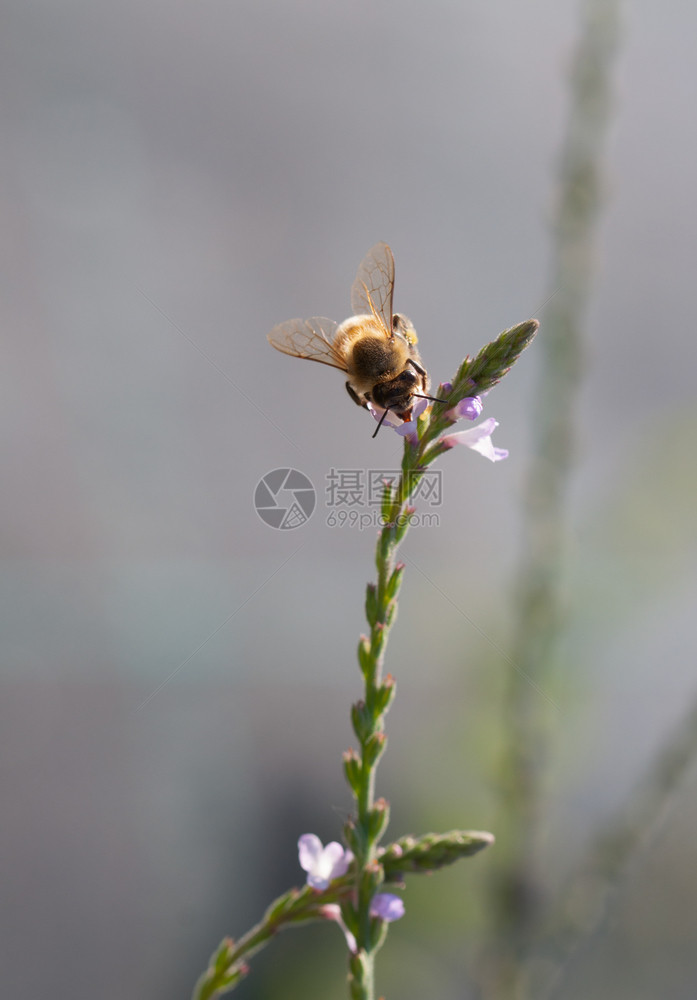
x=374 y=284
x=308 y=338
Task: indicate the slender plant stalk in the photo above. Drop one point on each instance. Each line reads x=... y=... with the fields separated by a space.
x=363 y=834
x=527 y=722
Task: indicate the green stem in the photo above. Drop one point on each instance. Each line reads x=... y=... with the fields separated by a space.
x=363 y=834
x=227 y=966
x=527 y=721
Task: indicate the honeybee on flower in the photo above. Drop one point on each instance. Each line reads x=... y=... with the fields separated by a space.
x=375 y=347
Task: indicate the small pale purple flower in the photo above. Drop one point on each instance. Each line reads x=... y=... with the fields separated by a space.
x=387 y=906
x=322 y=864
x=470 y=408
x=478 y=439
x=391 y=419
x=406 y=428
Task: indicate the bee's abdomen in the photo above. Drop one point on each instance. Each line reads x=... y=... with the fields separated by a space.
x=373 y=354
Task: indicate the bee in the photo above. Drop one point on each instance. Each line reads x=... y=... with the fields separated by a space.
x=375 y=347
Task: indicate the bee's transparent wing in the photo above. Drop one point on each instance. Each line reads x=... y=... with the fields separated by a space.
x=308 y=338
x=374 y=284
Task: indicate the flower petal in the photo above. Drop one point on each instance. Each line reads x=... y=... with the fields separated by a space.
x=478 y=439
x=392 y=419
x=309 y=851
x=335 y=858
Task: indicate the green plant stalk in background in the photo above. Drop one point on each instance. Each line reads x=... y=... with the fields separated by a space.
x=353 y=893
x=540 y=613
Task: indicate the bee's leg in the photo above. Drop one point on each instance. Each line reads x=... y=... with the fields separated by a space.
x=354 y=395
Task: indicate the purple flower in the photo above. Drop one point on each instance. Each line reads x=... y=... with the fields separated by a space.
x=406 y=428
x=322 y=864
x=387 y=906
x=470 y=408
x=478 y=439
x=391 y=419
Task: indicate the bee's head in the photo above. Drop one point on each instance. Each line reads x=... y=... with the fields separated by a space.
x=397 y=392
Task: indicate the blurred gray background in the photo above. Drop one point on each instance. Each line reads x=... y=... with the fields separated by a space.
x=176 y=675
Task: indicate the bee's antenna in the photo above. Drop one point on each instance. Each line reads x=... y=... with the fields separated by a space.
x=432 y=398
x=380 y=424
